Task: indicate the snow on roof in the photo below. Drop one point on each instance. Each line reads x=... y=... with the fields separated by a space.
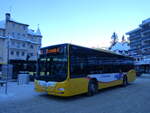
x=2 y=24
x=32 y=32
x=122 y=46
x=12 y=20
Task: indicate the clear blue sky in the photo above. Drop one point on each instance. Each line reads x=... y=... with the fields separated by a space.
x=83 y=22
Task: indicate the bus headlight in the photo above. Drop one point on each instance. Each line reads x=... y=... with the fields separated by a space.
x=42 y=83
x=61 y=89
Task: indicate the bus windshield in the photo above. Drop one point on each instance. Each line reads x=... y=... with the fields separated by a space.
x=53 y=67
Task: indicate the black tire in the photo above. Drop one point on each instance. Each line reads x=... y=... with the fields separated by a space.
x=125 y=81
x=92 y=87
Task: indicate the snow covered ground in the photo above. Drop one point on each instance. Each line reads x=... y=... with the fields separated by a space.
x=26 y=91
x=131 y=99
x=17 y=92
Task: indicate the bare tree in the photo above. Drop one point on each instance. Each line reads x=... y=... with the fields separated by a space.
x=114 y=38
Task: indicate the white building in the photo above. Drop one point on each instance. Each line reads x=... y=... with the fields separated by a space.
x=121 y=48
x=17 y=42
x=140 y=45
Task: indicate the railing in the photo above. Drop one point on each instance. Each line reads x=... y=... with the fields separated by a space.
x=145 y=30
x=145 y=38
x=145 y=46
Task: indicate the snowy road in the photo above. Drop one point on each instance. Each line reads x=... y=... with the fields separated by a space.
x=131 y=99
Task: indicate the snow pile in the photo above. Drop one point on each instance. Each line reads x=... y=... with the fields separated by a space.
x=4 y=96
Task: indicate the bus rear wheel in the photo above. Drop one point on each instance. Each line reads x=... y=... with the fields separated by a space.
x=92 y=87
x=125 y=81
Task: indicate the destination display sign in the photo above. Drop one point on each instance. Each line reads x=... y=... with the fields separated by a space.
x=55 y=50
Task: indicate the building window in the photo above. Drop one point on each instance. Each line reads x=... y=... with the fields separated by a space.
x=24 y=27
x=31 y=46
x=12 y=52
x=13 y=34
x=17 y=53
x=13 y=25
x=18 y=44
x=12 y=43
x=31 y=54
x=23 y=45
x=23 y=53
x=3 y=33
x=23 y=35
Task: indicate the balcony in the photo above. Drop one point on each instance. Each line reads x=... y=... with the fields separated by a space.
x=146 y=53
x=136 y=36
x=142 y=62
x=145 y=38
x=145 y=31
x=146 y=46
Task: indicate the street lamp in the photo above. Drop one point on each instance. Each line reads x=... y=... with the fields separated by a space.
x=6 y=89
x=37 y=62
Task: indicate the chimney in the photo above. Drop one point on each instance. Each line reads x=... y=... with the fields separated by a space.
x=7 y=16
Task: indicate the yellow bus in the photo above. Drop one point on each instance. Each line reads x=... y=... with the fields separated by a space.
x=67 y=70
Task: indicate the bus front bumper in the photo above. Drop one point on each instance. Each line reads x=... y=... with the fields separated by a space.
x=56 y=91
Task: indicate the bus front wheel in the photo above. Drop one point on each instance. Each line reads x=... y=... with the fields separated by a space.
x=92 y=87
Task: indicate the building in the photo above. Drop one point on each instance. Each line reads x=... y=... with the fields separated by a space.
x=18 y=44
x=140 y=44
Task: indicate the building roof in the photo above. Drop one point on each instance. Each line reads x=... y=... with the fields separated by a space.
x=3 y=22
x=32 y=32
x=145 y=21
x=12 y=20
x=134 y=30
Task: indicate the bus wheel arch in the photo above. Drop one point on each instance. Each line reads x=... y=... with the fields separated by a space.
x=92 y=87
